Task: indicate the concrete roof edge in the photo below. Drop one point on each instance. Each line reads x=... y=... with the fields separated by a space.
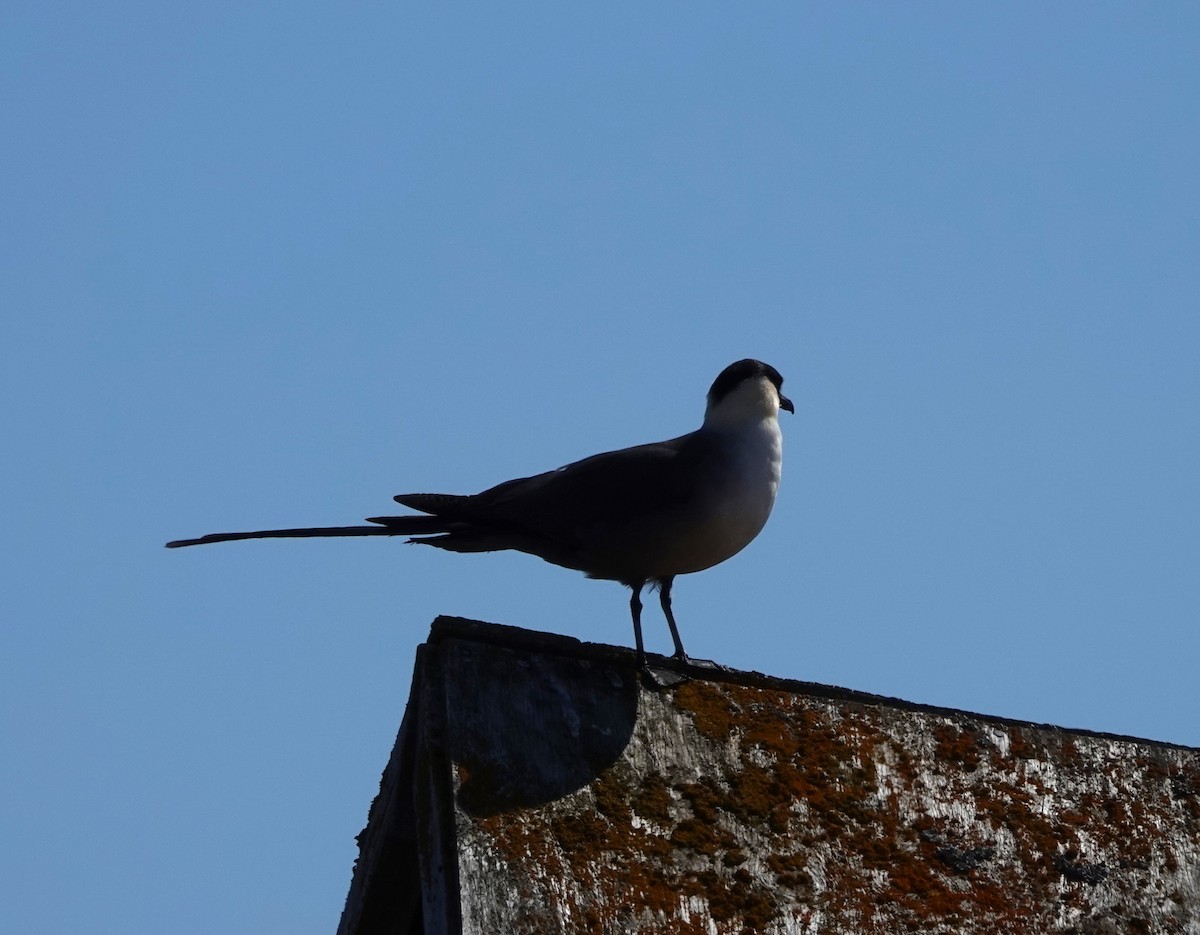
x=517 y=638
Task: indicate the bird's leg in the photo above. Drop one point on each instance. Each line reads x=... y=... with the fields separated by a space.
x=664 y=597
x=655 y=678
x=635 y=609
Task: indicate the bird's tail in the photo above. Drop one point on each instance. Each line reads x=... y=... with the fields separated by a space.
x=386 y=526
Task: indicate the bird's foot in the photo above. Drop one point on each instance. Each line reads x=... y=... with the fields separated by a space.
x=685 y=661
x=657 y=679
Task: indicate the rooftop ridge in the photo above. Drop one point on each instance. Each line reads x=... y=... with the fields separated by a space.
x=446 y=627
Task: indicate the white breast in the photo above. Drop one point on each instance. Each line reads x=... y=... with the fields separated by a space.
x=733 y=503
x=748 y=493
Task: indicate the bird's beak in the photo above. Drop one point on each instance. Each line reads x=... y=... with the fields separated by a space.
x=785 y=403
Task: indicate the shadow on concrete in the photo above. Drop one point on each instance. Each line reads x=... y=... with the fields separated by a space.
x=526 y=728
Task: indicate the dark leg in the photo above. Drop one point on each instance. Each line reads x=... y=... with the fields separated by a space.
x=664 y=597
x=635 y=608
x=655 y=678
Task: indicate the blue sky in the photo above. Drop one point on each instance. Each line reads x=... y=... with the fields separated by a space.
x=270 y=264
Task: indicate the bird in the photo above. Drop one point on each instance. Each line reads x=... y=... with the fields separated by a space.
x=639 y=516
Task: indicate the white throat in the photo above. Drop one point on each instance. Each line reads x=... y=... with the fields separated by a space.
x=750 y=402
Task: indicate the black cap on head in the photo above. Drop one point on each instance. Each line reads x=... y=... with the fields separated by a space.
x=746 y=369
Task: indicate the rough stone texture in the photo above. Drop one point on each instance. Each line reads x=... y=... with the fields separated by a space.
x=539 y=787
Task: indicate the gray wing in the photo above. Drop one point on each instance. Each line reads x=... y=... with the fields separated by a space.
x=551 y=514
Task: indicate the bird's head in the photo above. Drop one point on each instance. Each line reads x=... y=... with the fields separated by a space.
x=746 y=391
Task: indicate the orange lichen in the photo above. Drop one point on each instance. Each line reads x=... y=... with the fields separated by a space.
x=955 y=746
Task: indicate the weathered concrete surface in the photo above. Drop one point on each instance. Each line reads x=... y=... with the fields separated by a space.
x=558 y=795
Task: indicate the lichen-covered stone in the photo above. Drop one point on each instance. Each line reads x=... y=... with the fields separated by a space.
x=584 y=802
